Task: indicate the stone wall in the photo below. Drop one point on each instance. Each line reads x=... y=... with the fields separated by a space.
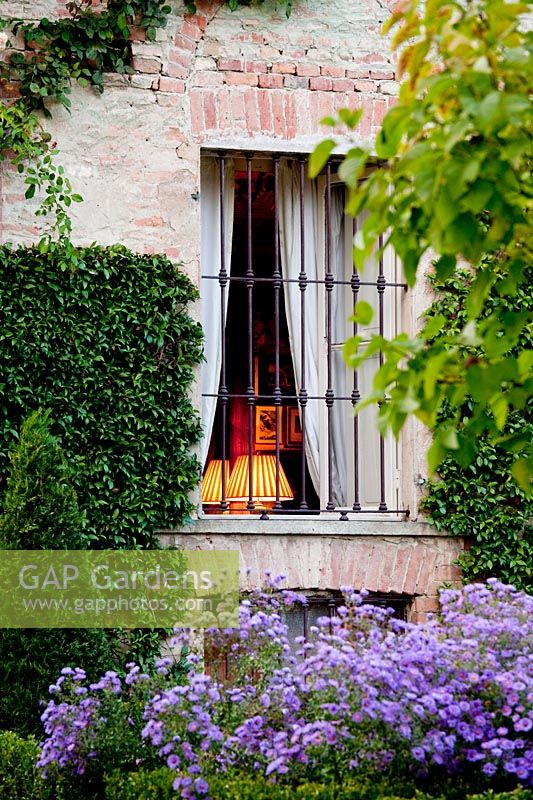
x=406 y=559
x=218 y=77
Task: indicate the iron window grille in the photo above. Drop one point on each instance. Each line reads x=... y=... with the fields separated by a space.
x=381 y=285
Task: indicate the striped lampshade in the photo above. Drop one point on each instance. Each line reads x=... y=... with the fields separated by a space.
x=212 y=482
x=263 y=480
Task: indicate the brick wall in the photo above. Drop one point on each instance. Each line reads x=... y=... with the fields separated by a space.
x=410 y=560
x=218 y=76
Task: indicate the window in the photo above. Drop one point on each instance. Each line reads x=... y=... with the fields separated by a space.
x=278 y=288
x=301 y=618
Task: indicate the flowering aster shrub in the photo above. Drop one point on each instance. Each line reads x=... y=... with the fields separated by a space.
x=95 y=727
x=365 y=694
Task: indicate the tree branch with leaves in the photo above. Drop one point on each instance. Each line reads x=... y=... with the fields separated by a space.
x=454 y=180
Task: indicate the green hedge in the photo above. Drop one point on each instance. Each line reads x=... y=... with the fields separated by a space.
x=157 y=785
x=102 y=338
x=19 y=780
x=481 y=501
x=18 y=775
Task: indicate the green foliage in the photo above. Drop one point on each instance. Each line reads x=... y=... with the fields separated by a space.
x=157 y=785
x=31 y=660
x=455 y=179
x=40 y=510
x=101 y=337
x=77 y=47
x=21 y=780
x=23 y=139
x=81 y=47
x=480 y=500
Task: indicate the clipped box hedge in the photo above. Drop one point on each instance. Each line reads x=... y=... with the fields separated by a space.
x=20 y=780
x=157 y=785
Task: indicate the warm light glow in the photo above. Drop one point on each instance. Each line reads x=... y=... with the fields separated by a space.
x=263 y=481
x=212 y=482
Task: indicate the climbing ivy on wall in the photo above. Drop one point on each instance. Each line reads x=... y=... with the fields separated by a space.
x=101 y=337
x=84 y=45
x=78 y=47
x=81 y=47
x=480 y=500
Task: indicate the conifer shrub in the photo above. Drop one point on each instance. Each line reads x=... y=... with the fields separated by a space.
x=41 y=512
x=40 y=507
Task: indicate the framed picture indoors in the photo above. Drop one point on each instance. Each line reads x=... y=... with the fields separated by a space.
x=293 y=436
x=265 y=427
x=265 y=374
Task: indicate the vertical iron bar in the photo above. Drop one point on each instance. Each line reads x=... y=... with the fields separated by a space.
x=356 y=395
x=381 y=283
x=277 y=288
x=302 y=283
x=250 y=506
x=328 y=283
x=223 y=282
x=331 y=614
x=306 y=621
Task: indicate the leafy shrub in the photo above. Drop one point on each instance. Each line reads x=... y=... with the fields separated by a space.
x=40 y=512
x=101 y=337
x=480 y=500
x=152 y=785
x=30 y=659
x=19 y=777
x=446 y=706
x=157 y=785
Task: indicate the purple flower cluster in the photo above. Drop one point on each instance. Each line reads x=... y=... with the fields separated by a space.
x=64 y=722
x=79 y=718
x=365 y=692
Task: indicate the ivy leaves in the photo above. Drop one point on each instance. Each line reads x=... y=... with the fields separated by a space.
x=101 y=336
x=79 y=47
x=455 y=181
x=477 y=496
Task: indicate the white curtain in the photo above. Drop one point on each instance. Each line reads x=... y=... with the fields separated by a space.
x=210 y=262
x=290 y=250
x=342 y=414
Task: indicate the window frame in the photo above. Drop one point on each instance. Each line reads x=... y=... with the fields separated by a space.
x=392 y=272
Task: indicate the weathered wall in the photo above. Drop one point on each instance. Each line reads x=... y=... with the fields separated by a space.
x=216 y=77
x=249 y=78
x=402 y=558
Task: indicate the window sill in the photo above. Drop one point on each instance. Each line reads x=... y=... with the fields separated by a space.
x=289 y=526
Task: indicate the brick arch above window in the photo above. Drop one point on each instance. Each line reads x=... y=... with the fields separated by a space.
x=188 y=35
x=246 y=74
